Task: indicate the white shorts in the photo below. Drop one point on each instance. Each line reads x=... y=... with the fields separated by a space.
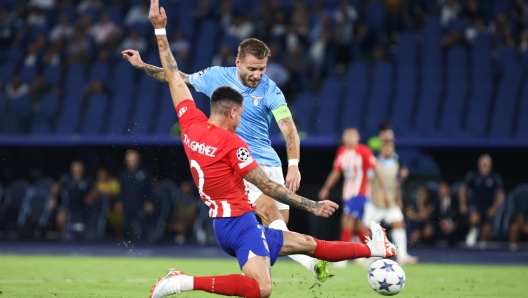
x=379 y=214
x=275 y=174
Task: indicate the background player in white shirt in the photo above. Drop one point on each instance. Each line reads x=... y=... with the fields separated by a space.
x=389 y=211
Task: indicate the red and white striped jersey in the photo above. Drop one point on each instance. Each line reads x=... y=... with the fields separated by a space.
x=219 y=160
x=354 y=164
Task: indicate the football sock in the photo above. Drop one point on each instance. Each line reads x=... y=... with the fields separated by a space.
x=400 y=240
x=362 y=235
x=346 y=235
x=334 y=251
x=229 y=285
x=304 y=260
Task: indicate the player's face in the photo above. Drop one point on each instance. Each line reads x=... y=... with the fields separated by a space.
x=484 y=165
x=77 y=170
x=251 y=70
x=387 y=150
x=351 y=138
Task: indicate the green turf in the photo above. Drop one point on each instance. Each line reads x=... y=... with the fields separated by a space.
x=36 y=276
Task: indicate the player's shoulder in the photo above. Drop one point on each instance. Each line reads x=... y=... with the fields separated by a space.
x=364 y=149
x=216 y=70
x=341 y=149
x=270 y=86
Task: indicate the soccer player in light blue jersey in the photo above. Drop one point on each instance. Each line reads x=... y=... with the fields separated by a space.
x=263 y=100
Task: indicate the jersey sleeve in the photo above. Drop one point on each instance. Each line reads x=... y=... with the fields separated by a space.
x=188 y=114
x=275 y=99
x=368 y=157
x=202 y=81
x=337 y=160
x=239 y=156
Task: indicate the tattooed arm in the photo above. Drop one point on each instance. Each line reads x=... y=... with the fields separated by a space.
x=280 y=193
x=178 y=89
x=293 y=150
x=157 y=73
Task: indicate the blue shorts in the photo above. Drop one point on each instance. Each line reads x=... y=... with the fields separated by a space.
x=355 y=207
x=243 y=236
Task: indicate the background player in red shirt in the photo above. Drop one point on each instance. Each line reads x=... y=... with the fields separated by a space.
x=354 y=160
x=220 y=161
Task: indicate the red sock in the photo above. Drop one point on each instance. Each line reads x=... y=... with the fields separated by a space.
x=335 y=251
x=228 y=285
x=362 y=235
x=346 y=235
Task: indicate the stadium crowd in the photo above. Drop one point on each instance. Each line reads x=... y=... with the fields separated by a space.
x=309 y=39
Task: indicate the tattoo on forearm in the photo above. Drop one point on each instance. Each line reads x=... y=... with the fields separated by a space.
x=155 y=72
x=280 y=193
x=291 y=137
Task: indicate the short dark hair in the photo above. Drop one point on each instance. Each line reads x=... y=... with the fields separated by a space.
x=224 y=98
x=254 y=47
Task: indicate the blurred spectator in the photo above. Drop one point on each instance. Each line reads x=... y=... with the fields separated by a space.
x=179 y=44
x=110 y=186
x=31 y=55
x=452 y=39
x=449 y=220
x=38 y=89
x=7 y=29
x=135 y=194
x=394 y=21
x=16 y=88
x=96 y=86
x=317 y=54
x=297 y=64
x=501 y=31
x=420 y=217
x=138 y=14
x=85 y=5
x=186 y=210
x=42 y=4
x=345 y=18
x=480 y=197
x=279 y=27
x=300 y=18
x=133 y=41
x=240 y=28
x=275 y=71
x=519 y=13
x=291 y=39
x=79 y=48
x=225 y=57
x=204 y=10
x=262 y=21
x=75 y=191
x=477 y=28
x=103 y=29
x=449 y=11
x=519 y=224
x=472 y=12
x=53 y=54
x=524 y=41
x=63 y=29
x=225 y=14
x=37 y=17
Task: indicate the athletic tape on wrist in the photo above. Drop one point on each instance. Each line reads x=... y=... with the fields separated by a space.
x=293 y=162
x=161 y=31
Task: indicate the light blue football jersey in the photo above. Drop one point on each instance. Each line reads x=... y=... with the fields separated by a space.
x=259 y=102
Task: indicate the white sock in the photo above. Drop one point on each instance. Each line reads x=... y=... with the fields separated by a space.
x=399 y=236
x=187 y=283
x=304 y=260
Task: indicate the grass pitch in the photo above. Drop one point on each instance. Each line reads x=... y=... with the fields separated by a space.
x=45 y=276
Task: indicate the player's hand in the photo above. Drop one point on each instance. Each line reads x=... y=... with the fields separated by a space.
x=133 y=57
x=293 y=178
x=157 y=15
x=323 y=194
x=325 y=208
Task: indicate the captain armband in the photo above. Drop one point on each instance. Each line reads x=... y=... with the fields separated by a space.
x=281 y=113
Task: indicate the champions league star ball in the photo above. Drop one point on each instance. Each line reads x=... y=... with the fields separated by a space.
x=386 y=277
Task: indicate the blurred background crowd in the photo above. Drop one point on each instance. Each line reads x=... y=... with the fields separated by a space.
x=442 y=71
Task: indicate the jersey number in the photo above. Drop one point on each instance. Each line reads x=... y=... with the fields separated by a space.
x=213 y=207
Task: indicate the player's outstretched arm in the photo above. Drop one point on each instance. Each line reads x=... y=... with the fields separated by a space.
x=280 y=193
x=178 y=89
x=293 y=150
x=157 y=73
x=332 y=179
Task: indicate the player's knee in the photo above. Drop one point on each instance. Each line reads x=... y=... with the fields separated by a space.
x=265 y=289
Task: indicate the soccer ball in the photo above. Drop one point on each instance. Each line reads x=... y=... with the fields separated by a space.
x=386 y=277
